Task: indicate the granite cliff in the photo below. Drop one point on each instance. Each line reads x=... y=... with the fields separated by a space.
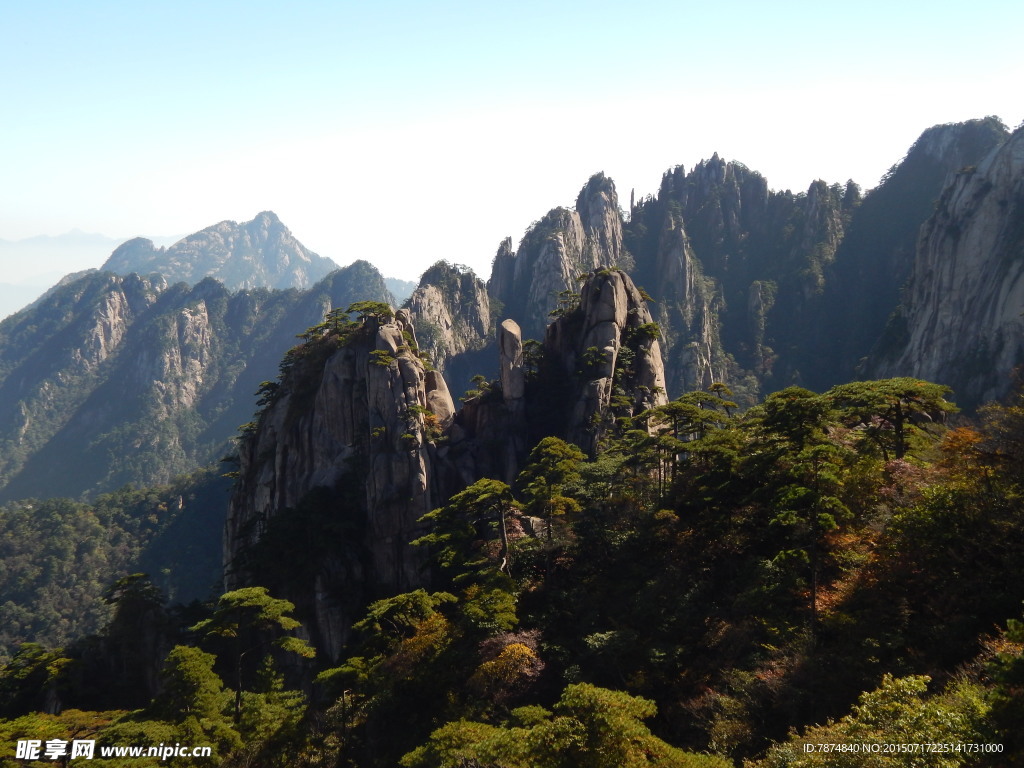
x=756 y=288
x=876 y=257
x=352 y=425
x=609 y=348
x=960 y=322
x=452 y=312
x=360 y=438
x=554 y=252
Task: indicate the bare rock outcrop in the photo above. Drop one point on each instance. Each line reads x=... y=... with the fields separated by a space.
x=687 y=308
x=351 y=424
x=360 y=439
x=609 y=346
x=452 y=314
x=554 y=252
x=961 y=322
x=510 y=351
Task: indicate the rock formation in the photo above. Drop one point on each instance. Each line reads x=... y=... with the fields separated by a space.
x=358 y=412
x=687 y=307
x=876 y=256
x=609 y=346
x=359 y=440
x=961 y=323
x=553 y=254
x=452 y=314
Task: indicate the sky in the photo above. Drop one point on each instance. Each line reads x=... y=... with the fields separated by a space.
x=408 y=132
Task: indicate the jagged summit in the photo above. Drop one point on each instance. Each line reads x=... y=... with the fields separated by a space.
x=258 y=253
x=555 y=251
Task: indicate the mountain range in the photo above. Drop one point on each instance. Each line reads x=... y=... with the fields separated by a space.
x=637 y=496
x=145 y=368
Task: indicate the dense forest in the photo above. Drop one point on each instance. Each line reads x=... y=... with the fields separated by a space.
x=714 y=587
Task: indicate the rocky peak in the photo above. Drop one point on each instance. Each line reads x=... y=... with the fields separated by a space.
x=263 y=224
x=257 y=253
x=555 y=251
x=598 y=209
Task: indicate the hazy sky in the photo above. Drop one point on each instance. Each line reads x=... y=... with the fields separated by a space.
x=404 y=132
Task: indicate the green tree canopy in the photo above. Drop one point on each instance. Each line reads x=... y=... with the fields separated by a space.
x=590 y=727
x=461 y=528
x=890 y=413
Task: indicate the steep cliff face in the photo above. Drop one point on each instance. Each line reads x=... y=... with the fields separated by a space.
x=359 y=440
x=961 y=322
x=687 y=307
x=554 y=252
x=348 y=431
x=597 y=206
x=876 y=257
x=735 y=270
x=111 y=380
x=753 y=287
x=257 y=253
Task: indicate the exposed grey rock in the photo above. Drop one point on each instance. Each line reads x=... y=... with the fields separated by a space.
x=360 y=420
x=555 y=252
x=612 y=316
x=452 y=313
x=368 y=403
x=961 y=323
x=687 y=307
x=115 y=379
x=876 y=256
x=510 y=349
x=598 y=208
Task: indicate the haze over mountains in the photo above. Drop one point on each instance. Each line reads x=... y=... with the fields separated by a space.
x=32 y=265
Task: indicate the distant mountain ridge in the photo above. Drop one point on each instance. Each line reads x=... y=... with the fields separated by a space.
x=258 y=253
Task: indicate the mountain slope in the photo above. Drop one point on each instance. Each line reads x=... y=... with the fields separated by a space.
x=113 y=379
